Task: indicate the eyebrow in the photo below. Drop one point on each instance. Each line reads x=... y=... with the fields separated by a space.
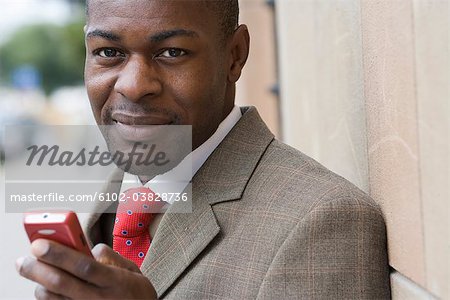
x=103 y=34
x=155 y=38
x=164 y=35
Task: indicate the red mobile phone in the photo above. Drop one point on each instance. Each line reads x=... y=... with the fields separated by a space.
x=59 y=226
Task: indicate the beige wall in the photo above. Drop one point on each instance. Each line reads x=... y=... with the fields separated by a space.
x=322 y=84
x=259 y=74
x=364 y=90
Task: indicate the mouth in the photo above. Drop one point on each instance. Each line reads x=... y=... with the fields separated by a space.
x=140 y=120
x=139 y=128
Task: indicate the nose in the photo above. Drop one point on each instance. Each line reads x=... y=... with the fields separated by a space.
x=138 y=79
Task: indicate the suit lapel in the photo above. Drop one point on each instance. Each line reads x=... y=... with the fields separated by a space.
x=181 y=237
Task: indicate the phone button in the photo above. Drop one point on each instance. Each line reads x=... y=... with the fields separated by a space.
x=46 y=231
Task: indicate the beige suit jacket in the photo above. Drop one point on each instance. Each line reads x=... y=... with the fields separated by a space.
x=268 y=222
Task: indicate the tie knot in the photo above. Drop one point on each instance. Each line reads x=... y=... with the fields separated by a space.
x=135 y=211
x=140 y=199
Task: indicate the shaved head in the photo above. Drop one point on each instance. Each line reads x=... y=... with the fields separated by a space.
x=226 y=12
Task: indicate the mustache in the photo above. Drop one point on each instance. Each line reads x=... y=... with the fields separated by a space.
x=139 y=109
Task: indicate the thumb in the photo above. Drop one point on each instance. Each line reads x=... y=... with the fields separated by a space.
x=105 y=255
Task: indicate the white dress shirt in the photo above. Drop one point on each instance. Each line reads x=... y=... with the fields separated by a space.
x=176 y=180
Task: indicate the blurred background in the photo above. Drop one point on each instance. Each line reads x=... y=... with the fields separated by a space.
x=362 y=86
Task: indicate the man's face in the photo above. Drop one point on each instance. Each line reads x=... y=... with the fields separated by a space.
x=157 y=62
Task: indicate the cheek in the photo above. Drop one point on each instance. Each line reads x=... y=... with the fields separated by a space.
x=198 y=90
x=194 y=98
x=98 y=88
x=200 y=96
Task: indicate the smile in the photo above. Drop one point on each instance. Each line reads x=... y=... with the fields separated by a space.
x=138 y=128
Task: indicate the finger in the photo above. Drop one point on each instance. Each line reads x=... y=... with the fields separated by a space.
x=42 y=293
x=105 y=255
x=53 y=279
x=71 y=261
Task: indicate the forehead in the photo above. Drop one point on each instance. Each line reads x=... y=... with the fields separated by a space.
x=152 y=14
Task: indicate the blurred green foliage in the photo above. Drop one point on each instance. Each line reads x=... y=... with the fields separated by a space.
x=57 y=52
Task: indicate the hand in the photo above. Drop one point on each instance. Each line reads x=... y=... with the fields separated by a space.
x=62 y=273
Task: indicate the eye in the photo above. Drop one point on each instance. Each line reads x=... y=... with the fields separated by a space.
x=172 y=53
x=109 y=53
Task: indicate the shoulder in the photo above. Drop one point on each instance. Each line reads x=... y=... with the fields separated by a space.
x=332 y=235
x=299 y=184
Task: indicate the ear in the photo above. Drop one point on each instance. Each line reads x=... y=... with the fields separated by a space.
x=239 y=47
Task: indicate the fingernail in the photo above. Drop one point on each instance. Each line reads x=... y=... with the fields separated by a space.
x=39 y=247
x=19 y=263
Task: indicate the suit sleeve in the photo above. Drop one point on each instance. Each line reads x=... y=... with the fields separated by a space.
x=337 y=251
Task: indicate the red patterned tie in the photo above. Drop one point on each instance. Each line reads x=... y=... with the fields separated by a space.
x=131 y=237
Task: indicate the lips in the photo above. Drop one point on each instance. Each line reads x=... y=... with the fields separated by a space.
x=139 y=128
x=132 y=120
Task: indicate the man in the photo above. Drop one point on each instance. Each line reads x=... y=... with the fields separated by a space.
x=267 y=222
